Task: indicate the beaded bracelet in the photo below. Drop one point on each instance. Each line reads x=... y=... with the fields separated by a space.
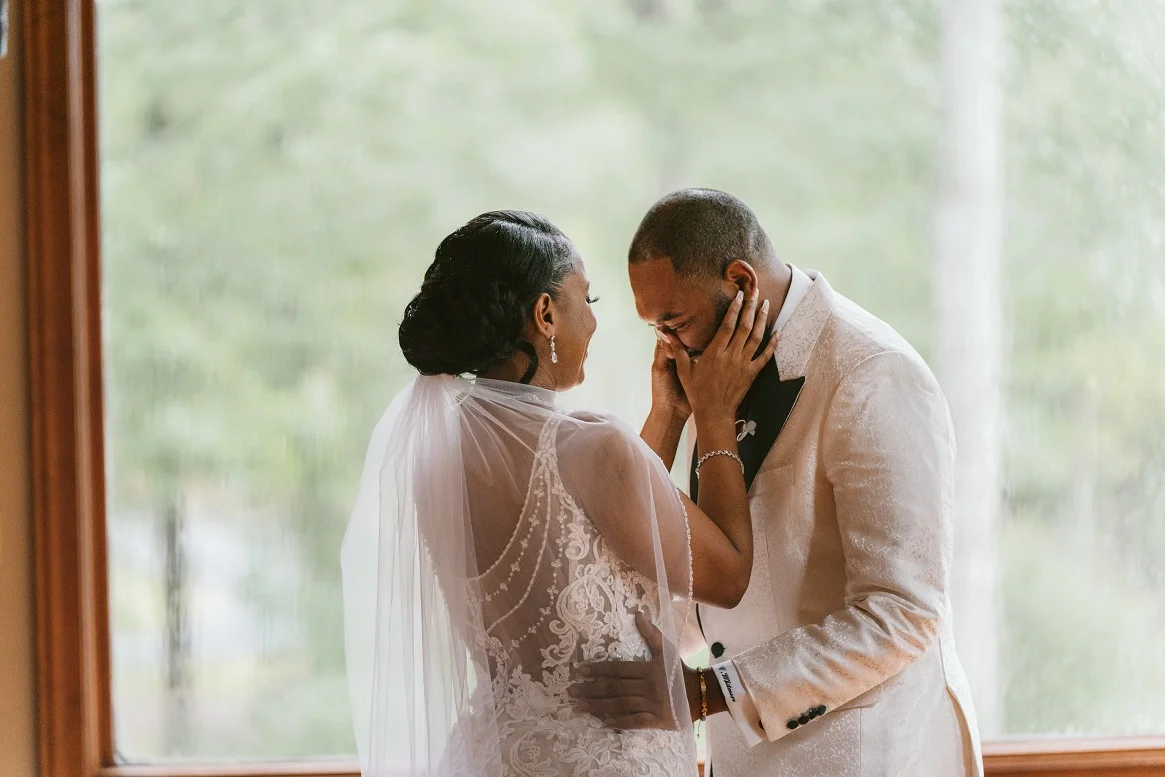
x=710 y=454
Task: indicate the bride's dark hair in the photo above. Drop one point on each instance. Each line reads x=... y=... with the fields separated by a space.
x=479 y=290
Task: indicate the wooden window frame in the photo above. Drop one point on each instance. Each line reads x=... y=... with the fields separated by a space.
x=74 y=705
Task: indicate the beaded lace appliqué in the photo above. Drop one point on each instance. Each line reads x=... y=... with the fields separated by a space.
x=554 y=600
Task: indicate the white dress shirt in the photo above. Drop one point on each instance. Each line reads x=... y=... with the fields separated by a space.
x=740 y=703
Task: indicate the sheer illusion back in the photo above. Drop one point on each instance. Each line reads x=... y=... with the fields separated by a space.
x=497 y=546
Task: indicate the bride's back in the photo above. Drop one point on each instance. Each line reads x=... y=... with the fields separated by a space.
x=552 y=593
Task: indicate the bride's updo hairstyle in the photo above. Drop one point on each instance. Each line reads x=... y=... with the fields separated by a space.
x=479 y=291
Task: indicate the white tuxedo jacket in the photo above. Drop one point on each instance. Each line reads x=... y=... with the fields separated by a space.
x=844 y=639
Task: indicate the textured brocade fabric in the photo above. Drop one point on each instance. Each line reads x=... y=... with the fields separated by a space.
x=847 y=608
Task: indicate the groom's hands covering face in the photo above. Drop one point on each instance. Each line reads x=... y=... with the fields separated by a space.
x=667 y=393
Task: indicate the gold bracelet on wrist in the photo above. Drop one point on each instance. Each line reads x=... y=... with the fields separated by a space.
x=703 y=695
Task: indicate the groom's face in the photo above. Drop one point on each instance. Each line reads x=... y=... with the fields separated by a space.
x=686 y=308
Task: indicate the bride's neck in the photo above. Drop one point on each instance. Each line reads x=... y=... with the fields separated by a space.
x=514 y=369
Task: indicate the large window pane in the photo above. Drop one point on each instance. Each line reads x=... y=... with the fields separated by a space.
x=275 y=177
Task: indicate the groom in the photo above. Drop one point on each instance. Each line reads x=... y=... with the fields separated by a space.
x=840 y=658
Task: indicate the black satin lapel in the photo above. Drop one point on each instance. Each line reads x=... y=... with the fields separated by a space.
x=770 y=403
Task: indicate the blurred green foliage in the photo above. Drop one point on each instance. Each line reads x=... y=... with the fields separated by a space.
x=276 y=176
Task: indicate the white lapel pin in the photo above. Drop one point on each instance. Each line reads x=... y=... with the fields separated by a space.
x=746 y=428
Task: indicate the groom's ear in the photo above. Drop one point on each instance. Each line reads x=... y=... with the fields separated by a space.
x=741 y=275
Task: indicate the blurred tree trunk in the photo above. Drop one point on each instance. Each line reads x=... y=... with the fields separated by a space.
x=1085 y=486
x=647 y=10
x=176 y=726
x=968 y=315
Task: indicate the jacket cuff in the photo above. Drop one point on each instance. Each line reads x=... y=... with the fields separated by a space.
x=740 y=704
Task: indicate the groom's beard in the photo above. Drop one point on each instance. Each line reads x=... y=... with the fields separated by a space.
x=722 y=303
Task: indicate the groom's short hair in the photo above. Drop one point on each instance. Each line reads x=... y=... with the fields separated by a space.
x=701 y=231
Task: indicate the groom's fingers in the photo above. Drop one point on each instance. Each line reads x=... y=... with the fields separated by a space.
x=618 y=707
x=616 y=670
x=632 y=722
x=622 y=694
x=606 y=690
x=662 y=354
x=683 y=366
x=651 y=635
x=663 y=347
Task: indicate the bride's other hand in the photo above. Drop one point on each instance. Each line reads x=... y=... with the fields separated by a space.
x=717 y=381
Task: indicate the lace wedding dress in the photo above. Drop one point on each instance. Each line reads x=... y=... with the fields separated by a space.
x=578 y=527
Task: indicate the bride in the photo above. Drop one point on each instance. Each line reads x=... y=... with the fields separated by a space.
x=500 y=544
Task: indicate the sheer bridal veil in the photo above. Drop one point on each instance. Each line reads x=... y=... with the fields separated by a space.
x=468 y=572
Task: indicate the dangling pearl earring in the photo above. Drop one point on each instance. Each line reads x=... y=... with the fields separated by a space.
x=553 y=353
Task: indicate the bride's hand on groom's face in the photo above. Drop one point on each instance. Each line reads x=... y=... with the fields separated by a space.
x=628 y=694
x=718 y=379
